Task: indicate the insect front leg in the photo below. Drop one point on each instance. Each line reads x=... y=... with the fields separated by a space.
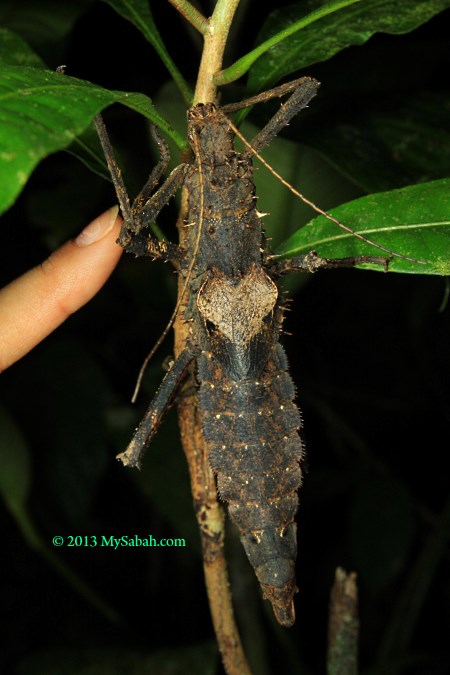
x=144 y=212
x=311 y=262
x=158 y=408
x=304 y=89
x=146 y=206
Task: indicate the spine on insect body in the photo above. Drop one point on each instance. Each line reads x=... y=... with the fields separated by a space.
x=251 y=427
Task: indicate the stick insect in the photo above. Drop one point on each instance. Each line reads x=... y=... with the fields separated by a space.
x=250 y=422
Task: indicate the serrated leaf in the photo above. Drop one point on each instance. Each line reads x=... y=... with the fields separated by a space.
x=140 y=15
x=328 y=35
x=412 y=221
x=43 y=111
x=15 y=474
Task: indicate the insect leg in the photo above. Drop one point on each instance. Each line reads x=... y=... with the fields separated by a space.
x=304 y=90
x=133 y=239
x=116 y=175
x=158 y=171
x=158 y=408
x=129 y=237
x=311 y=262
x=264 y=96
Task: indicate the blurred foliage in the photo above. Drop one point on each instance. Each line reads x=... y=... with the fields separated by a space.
x=369 y=353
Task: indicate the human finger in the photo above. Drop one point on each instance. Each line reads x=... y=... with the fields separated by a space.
x=36 y=303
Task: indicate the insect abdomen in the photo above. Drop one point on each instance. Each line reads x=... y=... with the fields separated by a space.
x=255 y=450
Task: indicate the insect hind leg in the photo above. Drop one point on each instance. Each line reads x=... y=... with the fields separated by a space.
x=158 y=408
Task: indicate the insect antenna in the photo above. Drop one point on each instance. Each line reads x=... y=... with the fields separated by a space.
x=186 y=283
x=314 y=206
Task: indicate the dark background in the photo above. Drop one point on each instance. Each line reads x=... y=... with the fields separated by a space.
x=369 y=355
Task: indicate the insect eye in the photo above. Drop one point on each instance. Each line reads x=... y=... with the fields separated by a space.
x=210 y=327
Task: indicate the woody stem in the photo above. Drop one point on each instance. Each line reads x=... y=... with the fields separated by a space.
x=209 y=512
x=215 y=39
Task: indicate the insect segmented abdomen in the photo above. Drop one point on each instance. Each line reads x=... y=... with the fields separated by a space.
x=251 y=427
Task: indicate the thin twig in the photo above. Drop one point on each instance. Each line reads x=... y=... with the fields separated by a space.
x=191 y=14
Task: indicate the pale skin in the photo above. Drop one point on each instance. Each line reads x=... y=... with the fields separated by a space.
x=35 y=304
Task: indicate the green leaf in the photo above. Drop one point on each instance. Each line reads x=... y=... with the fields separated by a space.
x=328 y=35
x=413 y=221
x=417 y=134
x=403 y=140
x=43 y=111
x=140 y=15
x=306 y=18
x=15 y=474
x=87 y=149
x=41 y=26
x=306 y=170
x=14 y=51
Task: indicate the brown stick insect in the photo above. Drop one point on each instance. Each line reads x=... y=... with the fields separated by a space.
x=250 y=422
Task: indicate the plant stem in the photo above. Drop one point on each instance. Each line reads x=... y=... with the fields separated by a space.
x=343 y=625
x=213 y=50
x=243 y=64
x=209 y=513
x=210 y=518
x=191 y=14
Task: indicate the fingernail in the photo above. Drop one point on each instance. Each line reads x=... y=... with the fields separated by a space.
x=98 y=229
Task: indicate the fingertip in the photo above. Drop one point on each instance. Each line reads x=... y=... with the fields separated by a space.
x=99 y=228
x=36 y=303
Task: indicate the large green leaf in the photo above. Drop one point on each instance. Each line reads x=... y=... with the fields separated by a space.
x=311 y=31
x=43 y=111
x=42 y=25
x=380 y=147
x=413 y=221
x=14 y=51
x=140 y=15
